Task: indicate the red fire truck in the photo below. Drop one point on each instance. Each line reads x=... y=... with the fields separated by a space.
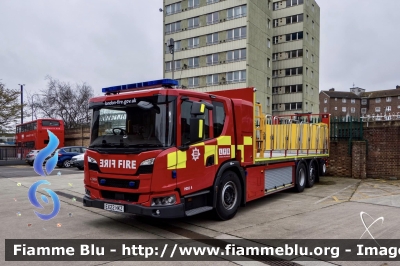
x=165 y=152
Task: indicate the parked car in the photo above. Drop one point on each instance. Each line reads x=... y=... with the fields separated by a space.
x=65 y=155
x=77 y=161
x=30 y=157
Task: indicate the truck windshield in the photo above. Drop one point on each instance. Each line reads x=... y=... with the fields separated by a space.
x=134 y=123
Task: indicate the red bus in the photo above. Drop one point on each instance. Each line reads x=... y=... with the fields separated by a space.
x=34 y=134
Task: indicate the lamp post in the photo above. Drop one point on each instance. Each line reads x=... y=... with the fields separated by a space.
x=171 y=45
x=22 y=102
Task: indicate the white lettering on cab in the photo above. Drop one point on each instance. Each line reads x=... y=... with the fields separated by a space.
x=110 y=163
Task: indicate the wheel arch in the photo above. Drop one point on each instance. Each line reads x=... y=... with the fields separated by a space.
x=237 y=169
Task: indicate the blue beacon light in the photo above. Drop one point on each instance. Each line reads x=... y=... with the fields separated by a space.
x=141 y=85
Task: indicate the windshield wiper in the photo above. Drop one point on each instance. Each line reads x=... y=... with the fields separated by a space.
x=145 y=145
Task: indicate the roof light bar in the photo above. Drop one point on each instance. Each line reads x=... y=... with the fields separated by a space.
x=141 y=85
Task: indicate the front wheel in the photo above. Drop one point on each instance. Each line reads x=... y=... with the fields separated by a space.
x=301 y=177
x=229 y=196
x=67 y=163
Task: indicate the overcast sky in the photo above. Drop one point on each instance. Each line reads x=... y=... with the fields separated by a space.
x=107 y=43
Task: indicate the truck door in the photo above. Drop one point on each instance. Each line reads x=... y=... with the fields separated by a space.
x=201 y=155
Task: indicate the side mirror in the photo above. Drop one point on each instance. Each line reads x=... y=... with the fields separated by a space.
x=198 y=108
x=196 y=129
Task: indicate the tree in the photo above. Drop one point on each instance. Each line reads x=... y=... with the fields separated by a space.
x=65 y=101
x=10 y=108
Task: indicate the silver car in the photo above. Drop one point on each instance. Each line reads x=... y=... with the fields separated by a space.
x=30 y=157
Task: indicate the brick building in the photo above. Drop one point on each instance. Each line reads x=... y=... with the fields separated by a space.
x=339 y=103
x=358 y=102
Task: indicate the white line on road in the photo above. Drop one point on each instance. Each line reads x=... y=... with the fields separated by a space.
x=332 y=194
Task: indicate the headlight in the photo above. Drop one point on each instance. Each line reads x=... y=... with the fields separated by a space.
x=91 y=160
x=163 y=201
x=148 y=162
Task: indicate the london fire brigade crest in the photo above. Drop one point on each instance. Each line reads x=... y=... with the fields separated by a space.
x=195 y=154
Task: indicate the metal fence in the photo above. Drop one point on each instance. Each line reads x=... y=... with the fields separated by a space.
x=8 y=153
x=346 y=129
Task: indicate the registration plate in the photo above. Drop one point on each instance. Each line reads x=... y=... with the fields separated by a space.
x=113 y=207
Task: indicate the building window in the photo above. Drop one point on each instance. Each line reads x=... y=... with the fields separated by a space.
x=193 y=42
x=364 y=102
x=193 y=3
x=275 y=90
x=353 y=109
x=363 y=110
x=212 y=79
x=325 y=109
x=274 y=56
x=335 y=108
x=377 y=100
x=276 y=6
x=388 y=99
x=212 y=38
x=174 y=8
x=312 y=8
x=212 y=59
x=212 y=1
x=293 y=71
x=377 y=109
x=307 y=71
x=325 y=100
x=236 y=34
x=343 y=109
x=173 y=27
x=294 y=19
x=268 y=82
x=294 y=88
x=268 y=62
x=312 y=74
x=177 y=45
x=212 y=18
x=312 y=58
x=269 y=23
x=275 y=39
x=193 y=23
x=236 y=55
x=294 y=53
x=193 y=62
x=236 y=76
x=307 y=53
x=294 y=36
x=353 y=100
x=293 y=2
x=306 y=35
x=269 y=43
x=388 y=108
x=343 y=100
x=313 y=24
x=236 y=12
x=193 y=82
x=168 y=65
x=312 y=41
x=293 y=106
x=268 y=101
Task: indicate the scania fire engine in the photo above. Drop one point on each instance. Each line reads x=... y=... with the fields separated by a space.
x=156 y=150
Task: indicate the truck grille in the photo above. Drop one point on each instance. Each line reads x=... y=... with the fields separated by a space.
x=120 y=196
x=121 y=183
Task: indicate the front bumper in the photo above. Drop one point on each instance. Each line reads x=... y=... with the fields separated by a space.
x=77 y=163
x=173 y=211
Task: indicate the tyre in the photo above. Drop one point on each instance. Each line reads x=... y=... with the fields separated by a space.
x=312 y=173
x=31 y=164
x=80 y=168
x=322 y=167
x=301 y=177
x=229 y=196
x=67 y=163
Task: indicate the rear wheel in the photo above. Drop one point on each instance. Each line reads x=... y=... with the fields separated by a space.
x=312 y=173
x=229 y=196
x=67 y=163
x=301 y=177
